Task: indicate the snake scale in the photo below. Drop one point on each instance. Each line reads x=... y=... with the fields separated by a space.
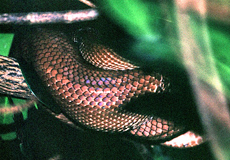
x=91 y=84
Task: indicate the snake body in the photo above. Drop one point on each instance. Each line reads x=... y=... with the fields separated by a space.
x=91 y=84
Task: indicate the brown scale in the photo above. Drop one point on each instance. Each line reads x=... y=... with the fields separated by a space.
x=92 y=96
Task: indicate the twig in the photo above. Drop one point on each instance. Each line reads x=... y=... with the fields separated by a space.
x=49 y=17
x=18 y=108
x=88 y=3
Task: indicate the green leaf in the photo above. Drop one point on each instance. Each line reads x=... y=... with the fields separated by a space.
x=5 y=43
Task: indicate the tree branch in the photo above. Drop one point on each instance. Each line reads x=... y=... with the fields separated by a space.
x=12 y=81
x=49 y=17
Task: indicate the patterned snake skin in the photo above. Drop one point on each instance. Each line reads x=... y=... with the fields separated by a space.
x=92 y=84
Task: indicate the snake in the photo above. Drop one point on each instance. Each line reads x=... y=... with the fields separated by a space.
x=91 y=84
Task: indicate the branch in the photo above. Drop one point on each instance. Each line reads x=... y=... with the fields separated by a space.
x=12 y=81
x=49 y=17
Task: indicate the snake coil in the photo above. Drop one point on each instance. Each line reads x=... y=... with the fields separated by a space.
x=91 y=84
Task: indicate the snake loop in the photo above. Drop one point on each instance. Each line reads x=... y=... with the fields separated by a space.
x=91 y=84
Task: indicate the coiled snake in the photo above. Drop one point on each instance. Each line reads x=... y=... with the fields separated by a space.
x=91 y=84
